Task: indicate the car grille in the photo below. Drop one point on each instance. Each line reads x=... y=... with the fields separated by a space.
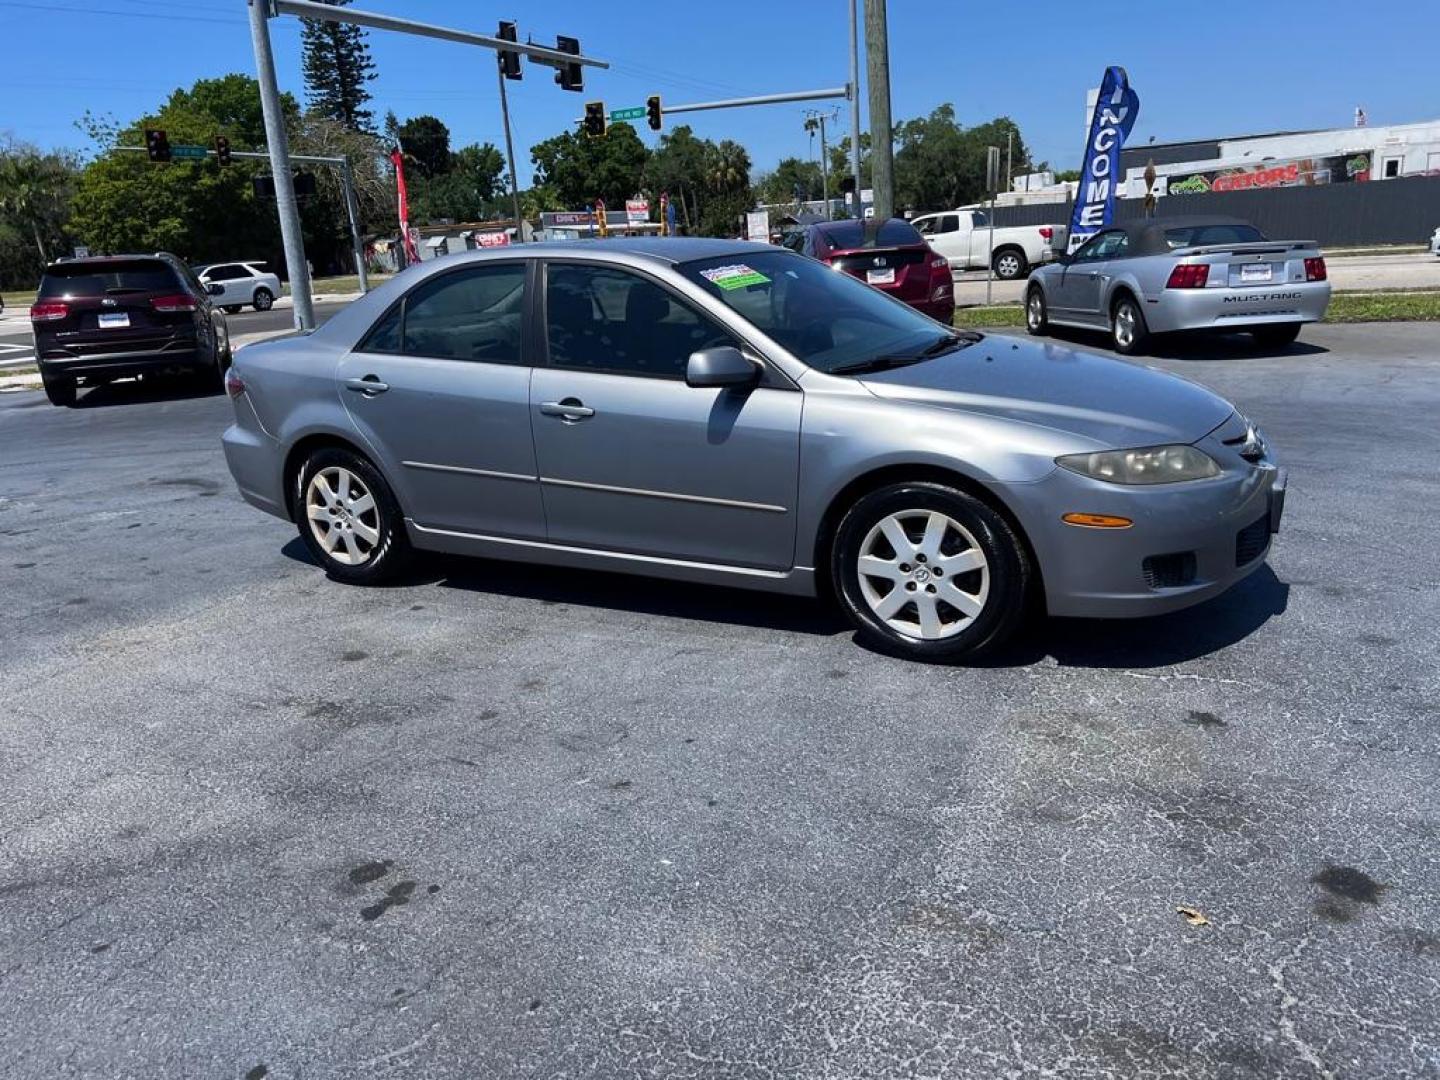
x=1169 y=571
x=1251 y=541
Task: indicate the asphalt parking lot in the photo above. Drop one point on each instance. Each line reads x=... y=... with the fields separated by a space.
x=519 y=822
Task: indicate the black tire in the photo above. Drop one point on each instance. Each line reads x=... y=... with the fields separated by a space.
x=1132 y=340
x=233 y=309
x=264 y=299
x=1276 y=336
x=389 y=555
x=1006 y=561
x=1010 y=264
x=59 y=389
x=1037 y=314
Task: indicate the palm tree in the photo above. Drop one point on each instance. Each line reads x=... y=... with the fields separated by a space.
x=728 y=167
x=34 y=192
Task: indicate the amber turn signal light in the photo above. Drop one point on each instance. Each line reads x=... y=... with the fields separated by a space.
x=1097 y=521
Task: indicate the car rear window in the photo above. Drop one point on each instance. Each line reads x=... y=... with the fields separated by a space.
x=856 y=234
x=101 y=279
x=1195 y=235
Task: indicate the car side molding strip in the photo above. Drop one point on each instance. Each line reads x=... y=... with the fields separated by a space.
x=619 y=556
x=676 y=496
x=492 y=473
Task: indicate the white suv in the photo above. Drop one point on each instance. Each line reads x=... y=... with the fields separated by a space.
x=1435 y=243
x=243 y=283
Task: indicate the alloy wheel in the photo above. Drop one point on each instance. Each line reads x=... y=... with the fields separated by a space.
x=1125 y=325
x=923 y=574
x=1035 y=311
x=1008 y=266
x=343 y=516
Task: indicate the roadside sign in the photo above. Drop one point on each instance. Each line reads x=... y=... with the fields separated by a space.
x=636 y=113
x=193 y=153
x=757 y=226
x=81 y=251
x=637 y=210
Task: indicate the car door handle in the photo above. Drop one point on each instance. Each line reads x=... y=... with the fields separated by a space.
x=370 y=385
x=570 y=410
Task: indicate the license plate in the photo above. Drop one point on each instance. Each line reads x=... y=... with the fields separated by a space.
x=114 y=320
x=881 y=277
x=1256 y=272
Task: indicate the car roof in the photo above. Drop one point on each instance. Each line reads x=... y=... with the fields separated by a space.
x=669 y=249
x=1147 y=235
x=867 y=233
x=102 y=260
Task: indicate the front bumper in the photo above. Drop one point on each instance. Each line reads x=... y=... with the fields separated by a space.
x=1235 y=309
x=1189 y=541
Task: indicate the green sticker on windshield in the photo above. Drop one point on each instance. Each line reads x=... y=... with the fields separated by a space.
x=737 y=276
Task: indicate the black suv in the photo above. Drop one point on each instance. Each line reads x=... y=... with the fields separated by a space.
x=107 y=317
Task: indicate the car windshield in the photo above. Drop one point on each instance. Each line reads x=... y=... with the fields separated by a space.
x=79 y=280
x=831 y=321
x=1195 y=235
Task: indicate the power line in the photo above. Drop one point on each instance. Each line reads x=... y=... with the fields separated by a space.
x=122 y=14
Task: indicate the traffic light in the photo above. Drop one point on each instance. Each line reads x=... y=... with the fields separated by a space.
x=509 y=61
x=264 y=187
x=654 y=113
x=847 y=186
x=569 y=76
x=594 y=119
x=222 y=150
x=305 y=183
x=157 y=144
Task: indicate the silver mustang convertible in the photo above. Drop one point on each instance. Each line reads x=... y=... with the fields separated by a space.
x=1165 y=275
x=736 y=414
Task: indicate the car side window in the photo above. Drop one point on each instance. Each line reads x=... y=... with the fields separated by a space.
x=603 y=319
x=947 y=223
x=472 y=314
x=384 y=336
x=224 y=273
x=1105 y=245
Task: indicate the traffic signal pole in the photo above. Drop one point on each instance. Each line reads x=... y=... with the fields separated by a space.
x=295 y=265
x=510 y=157
x=568 y=60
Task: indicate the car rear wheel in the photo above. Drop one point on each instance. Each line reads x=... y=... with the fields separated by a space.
x=264 y=299
x=928 y=572
x=1273 y=337
x=1010 y=264
x=1037 y=319
x=349 y=519
x=60 y=389
x=1127 y=326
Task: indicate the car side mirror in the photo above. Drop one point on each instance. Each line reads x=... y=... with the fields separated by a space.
x=215 y=289
x=722 y=366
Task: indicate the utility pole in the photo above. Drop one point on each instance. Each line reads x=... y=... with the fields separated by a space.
x=1009 y=155
x=290 y=234
x=877 y=71
x=510 y=158
x=854 y=96
x=815 y=120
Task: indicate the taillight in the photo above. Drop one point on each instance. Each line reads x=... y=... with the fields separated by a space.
x=1189 y=276
x=1315 y=269
x=939 y=262
x=178 y=302
x=49 y=311
x=1047 y=233
x=234 y=384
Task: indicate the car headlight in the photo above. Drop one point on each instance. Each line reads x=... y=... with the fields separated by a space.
x=1148 y=465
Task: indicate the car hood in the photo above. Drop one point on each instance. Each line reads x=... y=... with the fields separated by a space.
x=1114 y=403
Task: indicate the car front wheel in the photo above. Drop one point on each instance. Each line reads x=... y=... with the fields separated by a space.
x=349 y=518
x=264 y=299
x=1037 y=319
x=928 y=572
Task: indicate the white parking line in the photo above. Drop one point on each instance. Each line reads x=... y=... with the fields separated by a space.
x=17 y=361
x=7 y=347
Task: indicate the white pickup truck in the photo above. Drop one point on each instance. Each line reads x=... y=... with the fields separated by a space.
x=963 y=236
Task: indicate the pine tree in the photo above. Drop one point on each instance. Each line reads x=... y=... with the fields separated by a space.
x=337 y=66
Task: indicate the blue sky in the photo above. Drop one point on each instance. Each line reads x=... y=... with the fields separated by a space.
x=1201 y=69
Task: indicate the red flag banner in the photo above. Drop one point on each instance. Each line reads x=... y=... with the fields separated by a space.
x=398 y=160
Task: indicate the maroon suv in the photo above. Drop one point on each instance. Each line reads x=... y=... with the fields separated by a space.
x=892 y=256
x=104 y=318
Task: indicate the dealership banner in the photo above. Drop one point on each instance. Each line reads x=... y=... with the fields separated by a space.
x=1303 y=172
x=1115 y=112
x=402 y=202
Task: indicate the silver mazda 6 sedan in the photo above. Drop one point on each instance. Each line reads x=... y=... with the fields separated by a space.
x=736 y=414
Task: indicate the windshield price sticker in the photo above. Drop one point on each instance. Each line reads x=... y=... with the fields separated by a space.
x=737 y=276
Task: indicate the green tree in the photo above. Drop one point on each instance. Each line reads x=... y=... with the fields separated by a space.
x=678 y=166
x=337 y=67
x=468 y=191
x=426 y=143
x=793 y=180
x=940 y=164
x=727 y=178
x=35 y=192
x=580 y=170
